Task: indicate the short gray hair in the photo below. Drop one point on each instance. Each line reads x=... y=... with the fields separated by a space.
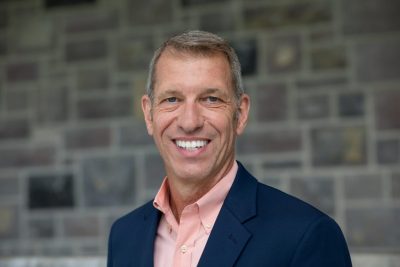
x=198 y=43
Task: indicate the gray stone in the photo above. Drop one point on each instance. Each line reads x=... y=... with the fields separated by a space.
x=281 y=164
x=387 y=109
x=395 y=188
x=77 y=51
x=351 y=105
x=134 y=135
x=370 y=16
x=53 y=105
x=373 y=228
x=271 y=102
x=269 y=141
x=22 y=72
x=93 y=79
x=85 y=138
x=363 y=187
x=328 y=58
x=3 y=18
x=9 y=220
x=26 y=157
x=9 y=186
x=81 y=226
x=91 y=21
x=109 y=181
x=19 y=99
x=246 y=50
x=218 y=21
x=313 y=107
x=388 y=151
x=41 y=228
x=135 y=53
x=14 y=129
x=188 y=3
x=102 y=107
x=155 y=171
x=150 y=12
x=319 y=192
x=287 y=14
x=321 y=83
x=338 y=146
x=377 y=60
x=3 y=45
x=284 y=54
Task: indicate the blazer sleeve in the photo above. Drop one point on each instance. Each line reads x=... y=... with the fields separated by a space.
x=322 y=244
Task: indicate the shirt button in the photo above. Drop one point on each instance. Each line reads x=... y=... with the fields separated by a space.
x=208 y=226
x=184 y=249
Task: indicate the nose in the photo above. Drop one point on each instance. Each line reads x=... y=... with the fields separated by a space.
x=190 y=118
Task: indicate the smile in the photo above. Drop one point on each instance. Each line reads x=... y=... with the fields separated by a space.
x=191 y=145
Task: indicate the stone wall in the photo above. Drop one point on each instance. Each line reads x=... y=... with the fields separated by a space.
x=324 y=77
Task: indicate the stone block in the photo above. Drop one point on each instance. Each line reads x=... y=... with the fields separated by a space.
x=321 y=83
x=26 y=157
x=218 y=21
x=9 y=186
x=51 y=191
x=387 y=109
x=319 y=192
x=109 y=181
x=81 y=226
x=267 y=142
x=22 y=72
x=313 y=107
x=328 y=58
x=3 y=46
x=150 y=12
x=351 y=105
x=370 y=16
x=134 y=135
x=53 y=105
x=63 y=3
x=155 y=171
x=91 y=21
x=19 y=99
x=283 y=54
x=135 y=54
x=246 y=50
x=287 y=14
x=3 y=18
x=103 y=107
x=93 y=79
x=388 y=151
x=14 y=129
x=334 y=146
x=41 y=228
x=189 y=3
x=281 y=164
x=9 y=220
x=377 y=60
x=363 y=187
x=85 y=138
x=395 y=188
x=77 y=51
x=271 y=102
x=373 y=228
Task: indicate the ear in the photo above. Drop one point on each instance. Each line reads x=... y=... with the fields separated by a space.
x=243 y=114
x=147 y=112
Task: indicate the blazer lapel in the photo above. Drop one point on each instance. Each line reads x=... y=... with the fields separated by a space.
x=229 y=237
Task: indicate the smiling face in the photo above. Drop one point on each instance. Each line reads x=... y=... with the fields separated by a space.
x=194 y=117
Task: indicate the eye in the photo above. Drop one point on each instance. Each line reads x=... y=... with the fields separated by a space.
x=212 y=99
x=171 y=100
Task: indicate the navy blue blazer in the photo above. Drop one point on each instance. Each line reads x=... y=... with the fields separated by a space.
x=257 y=226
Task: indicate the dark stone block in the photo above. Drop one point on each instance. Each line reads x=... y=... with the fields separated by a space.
x=363 y=187
x=53 y=105
x=22 y=72
x=135 y=135
x=388 y=151
x=281 y=164
x=26 y=157
x=328 y=58
x=9 y=186
x=395 y=185
x=91 y=21
x=351 y=105
x=109 y=181
x=135 y=54
x=9 y=220
x=19 y=99
x=86 y=50
x=373 y=228
x=247 y=54
x=51 y=191
x=3 y=46
x=64 y=3
x=269 y=141
x=218 y=21
x=93 y=79
x=3 y=18
x=387 y=109
x=287 y=14
x=322 y=83
x=377 y=61
x=105 y=107
x=370 y=16
x=150 y=12
x=338 y=146
x=271 y=102
x=155 y=171
x=84 y=138
x=284 y=54
x=319 y=192
x=313 y=107
x=188 y=3
x=14 y=129
x=81 y=226
x=41 y=228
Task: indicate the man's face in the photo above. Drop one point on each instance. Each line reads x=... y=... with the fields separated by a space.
x=192 y=118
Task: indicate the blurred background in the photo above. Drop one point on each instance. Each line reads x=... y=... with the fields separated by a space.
x=324 y=77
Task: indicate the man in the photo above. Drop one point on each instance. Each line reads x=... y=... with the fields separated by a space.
x=209 y=210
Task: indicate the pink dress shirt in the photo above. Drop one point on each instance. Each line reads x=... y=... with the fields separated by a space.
x=181 y=245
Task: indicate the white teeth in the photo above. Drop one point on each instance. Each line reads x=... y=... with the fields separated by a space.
x=190 y=145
